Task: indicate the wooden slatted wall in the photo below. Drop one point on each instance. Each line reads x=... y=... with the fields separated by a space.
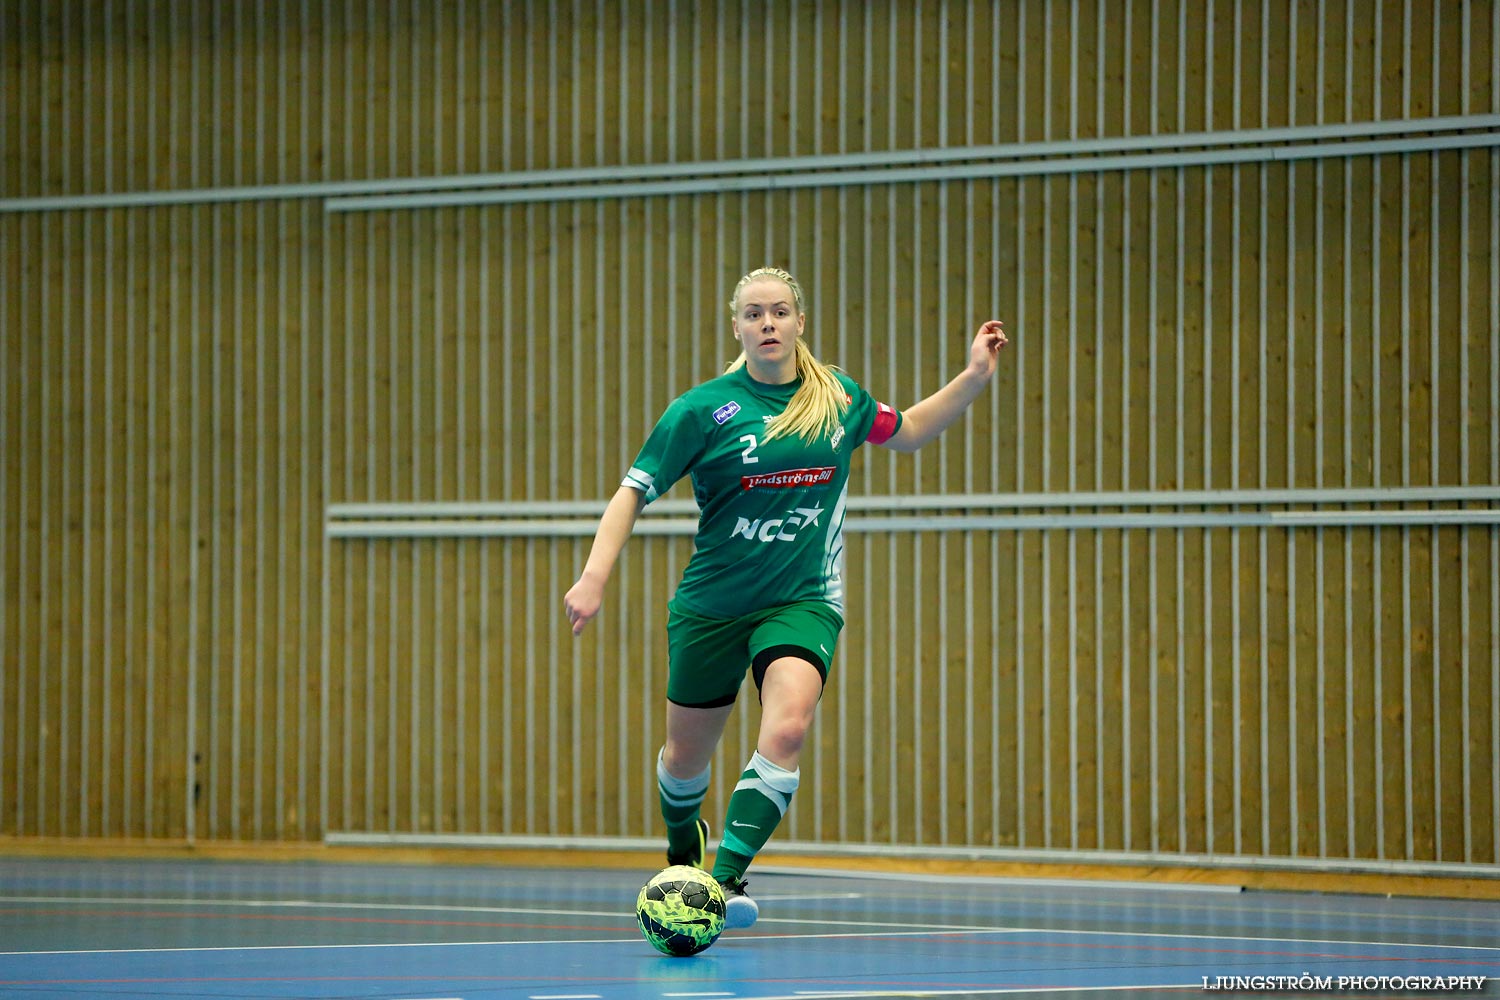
x=185 y=388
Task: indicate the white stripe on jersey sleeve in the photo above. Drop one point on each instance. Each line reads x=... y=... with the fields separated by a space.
x=643 y=481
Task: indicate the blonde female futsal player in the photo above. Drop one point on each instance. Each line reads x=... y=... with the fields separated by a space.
x=768 y=446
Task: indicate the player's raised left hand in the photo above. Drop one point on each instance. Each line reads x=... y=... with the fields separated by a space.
x=984 y=353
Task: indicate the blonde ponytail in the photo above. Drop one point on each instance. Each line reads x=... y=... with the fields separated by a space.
x=820 y=401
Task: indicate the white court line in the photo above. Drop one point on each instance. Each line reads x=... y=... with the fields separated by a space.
x=304 y=904
x=549 y=940
x=778 y=937
x=484 y=944
x=919 y=877
x=1002 y=880
x=1239 y=939
x=1267 y=940
x=316 y=947
x=624 y=913
x=809 y=895
x=906 y=929
x=831 y=995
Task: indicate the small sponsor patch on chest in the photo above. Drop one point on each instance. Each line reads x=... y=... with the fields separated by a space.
x=726 y=411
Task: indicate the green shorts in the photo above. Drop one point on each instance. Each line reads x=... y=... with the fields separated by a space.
x=707 y=657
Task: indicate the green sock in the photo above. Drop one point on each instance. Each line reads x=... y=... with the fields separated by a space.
x=756 y=807
x=681 y=799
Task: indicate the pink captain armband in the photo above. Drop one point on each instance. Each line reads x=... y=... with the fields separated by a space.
x=886 y=422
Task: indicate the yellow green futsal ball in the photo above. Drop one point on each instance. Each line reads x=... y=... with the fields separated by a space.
x=681 y=910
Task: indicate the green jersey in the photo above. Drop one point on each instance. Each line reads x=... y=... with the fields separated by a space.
x=771 y=513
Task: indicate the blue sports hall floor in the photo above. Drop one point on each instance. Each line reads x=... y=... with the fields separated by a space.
x=213 y=928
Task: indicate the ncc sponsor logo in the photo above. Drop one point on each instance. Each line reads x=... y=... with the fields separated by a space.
x=790 y=479
x=726 y=411
x=778 y=529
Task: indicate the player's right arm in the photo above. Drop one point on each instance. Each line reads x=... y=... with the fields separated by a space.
x=582 y=601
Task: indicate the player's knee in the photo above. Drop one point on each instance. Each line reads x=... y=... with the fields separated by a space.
x=781 y=739
x=684 y=759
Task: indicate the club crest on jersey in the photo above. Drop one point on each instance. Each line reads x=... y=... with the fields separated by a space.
x=726 y=411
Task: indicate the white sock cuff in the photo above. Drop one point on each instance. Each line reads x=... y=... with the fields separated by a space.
x=680 y=787
x=774 y=775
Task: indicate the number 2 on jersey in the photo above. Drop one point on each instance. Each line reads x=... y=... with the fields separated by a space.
x=745 y=455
